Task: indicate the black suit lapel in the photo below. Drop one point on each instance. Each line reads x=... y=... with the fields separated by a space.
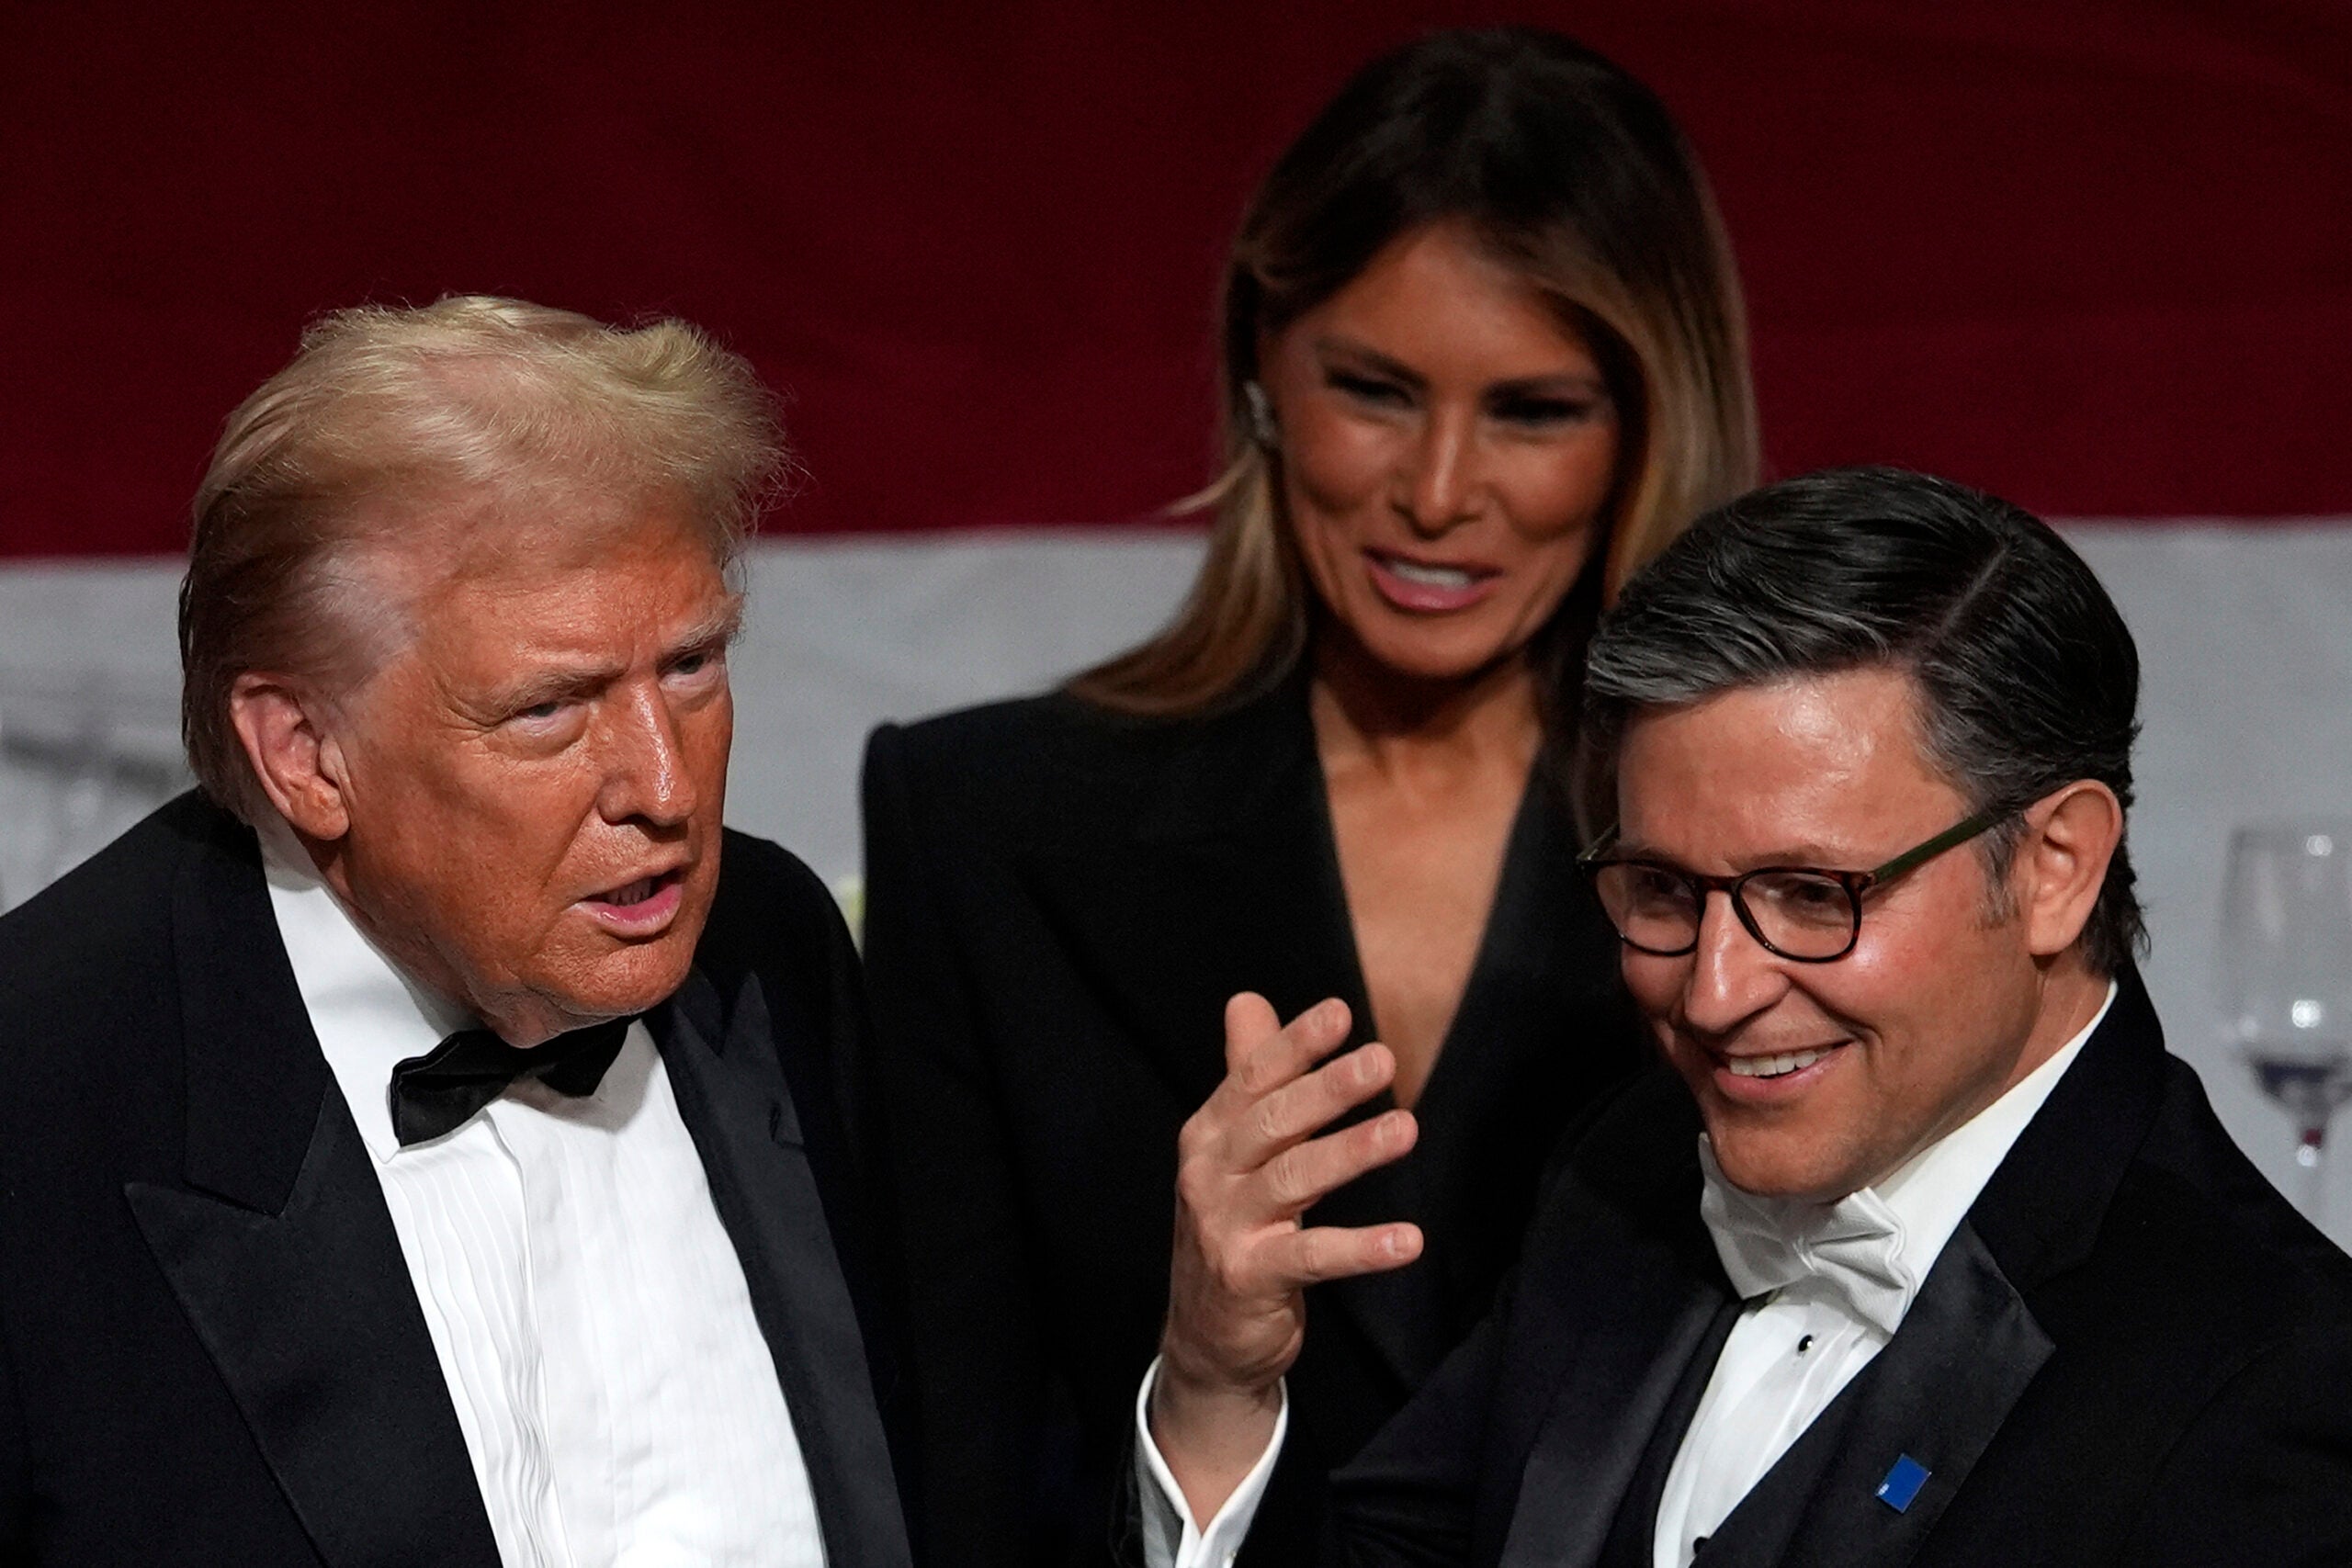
x=1970 y=1345
x=1249 y=821
x=732 y=1096
x=1649 y=1299
x=1937 y=1394
x=1632 y=1536
x=283 y=1258
x=1625 y=1362
x=1400 y=1311
x=2041 y=1214
x=1940 y=1390
x=1214 y=874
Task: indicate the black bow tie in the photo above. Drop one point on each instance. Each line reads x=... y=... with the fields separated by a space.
x=437 y=1092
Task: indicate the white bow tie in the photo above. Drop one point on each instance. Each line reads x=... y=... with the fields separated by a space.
x=1854 y=1246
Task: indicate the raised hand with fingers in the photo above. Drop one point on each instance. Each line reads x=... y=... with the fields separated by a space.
x=1250 y=1164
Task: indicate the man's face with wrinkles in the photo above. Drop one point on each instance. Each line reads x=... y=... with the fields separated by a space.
x=536 y=780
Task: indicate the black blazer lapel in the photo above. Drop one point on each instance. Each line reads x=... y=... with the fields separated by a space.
x=1648 y=1296
x=1214 y=874
x=1947 y=1381
x=283 y=1258
x=1278 y=925
x=1624 y=1366
x=731 y=1094
x=1399 y=1312
x=1251 y=824
x=1165 y=973
x=1935 y=1395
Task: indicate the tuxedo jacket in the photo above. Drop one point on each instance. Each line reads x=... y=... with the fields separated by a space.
x=1059 y=903
x=2132 y=1352
x=210 y=1349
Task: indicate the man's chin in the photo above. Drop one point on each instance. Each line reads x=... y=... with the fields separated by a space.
x=1783 y=1163
x=619 y=984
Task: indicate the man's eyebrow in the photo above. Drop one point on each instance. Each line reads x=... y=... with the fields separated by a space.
x=710 y=635
x=716 y=630
x=552 y=685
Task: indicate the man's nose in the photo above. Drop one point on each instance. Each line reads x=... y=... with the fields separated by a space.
x=1732 y=976
x=645 y=774
x=1441 y=484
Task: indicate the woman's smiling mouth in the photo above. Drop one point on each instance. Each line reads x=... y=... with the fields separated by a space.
x=1428 y=587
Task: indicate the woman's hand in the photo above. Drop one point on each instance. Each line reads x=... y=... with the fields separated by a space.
x=1247 y=1166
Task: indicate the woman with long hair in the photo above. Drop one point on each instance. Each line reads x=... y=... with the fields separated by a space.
x=1483 y=356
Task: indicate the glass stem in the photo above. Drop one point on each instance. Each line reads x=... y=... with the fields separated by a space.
x=2311 y=1163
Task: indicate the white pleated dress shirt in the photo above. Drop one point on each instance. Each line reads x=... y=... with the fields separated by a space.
x=619 y=1401
x=1830 y=1284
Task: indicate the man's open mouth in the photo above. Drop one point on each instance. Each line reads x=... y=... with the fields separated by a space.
x=638 y=892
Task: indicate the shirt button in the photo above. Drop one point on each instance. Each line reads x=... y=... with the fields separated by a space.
x=1804 y=1344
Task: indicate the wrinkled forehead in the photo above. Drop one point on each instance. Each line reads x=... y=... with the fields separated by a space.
x=450 y=562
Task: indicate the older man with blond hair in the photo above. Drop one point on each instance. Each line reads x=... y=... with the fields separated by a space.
x=420 y=1143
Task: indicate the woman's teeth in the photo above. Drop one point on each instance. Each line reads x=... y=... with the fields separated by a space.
x=1450 y=577
x=1773 y=1066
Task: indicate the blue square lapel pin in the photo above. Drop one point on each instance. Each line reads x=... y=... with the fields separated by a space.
x=1903 y=1482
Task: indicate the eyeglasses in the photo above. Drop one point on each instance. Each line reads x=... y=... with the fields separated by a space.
x=1799 y=912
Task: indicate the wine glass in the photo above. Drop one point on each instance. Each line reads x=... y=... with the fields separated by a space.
x=2287 y=976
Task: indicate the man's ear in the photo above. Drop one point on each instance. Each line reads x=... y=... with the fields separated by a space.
x=2061 y=863
x=287 y=739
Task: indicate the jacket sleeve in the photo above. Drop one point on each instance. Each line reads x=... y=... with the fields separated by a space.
x=976 y=1361
x=776 y=918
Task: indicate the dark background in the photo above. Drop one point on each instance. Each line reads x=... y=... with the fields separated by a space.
x=2097 y=255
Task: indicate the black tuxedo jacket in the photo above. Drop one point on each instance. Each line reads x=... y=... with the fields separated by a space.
x=211 y=1351
x=1059 y=903
x=2132 y=1352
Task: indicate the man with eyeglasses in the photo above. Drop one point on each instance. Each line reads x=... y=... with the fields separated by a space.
x=1924 y=1251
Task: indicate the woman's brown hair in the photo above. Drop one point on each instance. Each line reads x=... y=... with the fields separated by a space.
x=1570 y=173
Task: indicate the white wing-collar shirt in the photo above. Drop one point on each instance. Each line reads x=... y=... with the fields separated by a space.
x=619 y=1401
x=1825 y=1287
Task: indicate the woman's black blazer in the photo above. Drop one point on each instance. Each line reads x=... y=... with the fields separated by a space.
x=1058 y=903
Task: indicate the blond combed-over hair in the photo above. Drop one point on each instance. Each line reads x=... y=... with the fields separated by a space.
x=389 y=415
x=1569 y=173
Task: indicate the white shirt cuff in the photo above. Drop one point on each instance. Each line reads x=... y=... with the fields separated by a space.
x=1171 y=1540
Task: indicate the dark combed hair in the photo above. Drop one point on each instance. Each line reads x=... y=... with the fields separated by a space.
x=2028 y=677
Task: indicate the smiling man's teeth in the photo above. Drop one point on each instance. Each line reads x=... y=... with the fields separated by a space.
x=1452 y=577
x=1773 y=1067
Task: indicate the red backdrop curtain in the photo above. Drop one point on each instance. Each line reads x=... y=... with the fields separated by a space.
x=2095 y=255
